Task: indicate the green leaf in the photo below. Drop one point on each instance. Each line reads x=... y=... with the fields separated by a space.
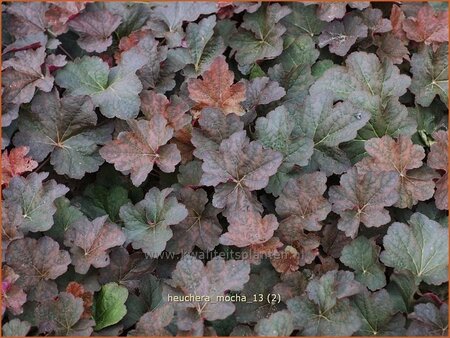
x=428 y=320
x=203 y=46
x=278 y=324
x=261 y=283
x=259 y=36
x=325 y=309
x=147 y=224
x=362 y=256
x=275 y=132
x=293 y=68
x=109 y=305
x=115 y=91
x=402 y=288
x=340 y=320
x=67 y=129
x=66 y=214
x=430 y=74
x=302 y=20
x=99 y=200
x=36 y=199
x=16 y=328
x=377 y=315
x=420 y=247
x=328 y=126
x=374 y=87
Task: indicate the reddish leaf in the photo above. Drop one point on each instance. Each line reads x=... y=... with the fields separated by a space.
x=59 y=14
x=214 y=128
x=16 y=163
x=403 y=158
x=391 y=48
x=89 y=242
x=254 y=253
x=200 y=228
x=301 y=205
x=173 y=111
x=236 y=169
x=136 y=151
x=341 y=36
x=191 y=277
x=428 y=27
x=28 y=18
x=307 y=247
x=22 y=74
x=95 y=29
x=153 y=322
x=36 y=261
x=397 y=18
x=286 y=261
x=77 y=290
x=249 y=228
x=13 y=297
x=216 y=89
x=12 y=221
x=128 y=42
x=62 y=315
x=438 y=159
x=361 y=198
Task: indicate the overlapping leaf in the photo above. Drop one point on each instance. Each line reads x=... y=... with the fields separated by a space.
x=374 y=87
x=147 y=224
x=420 y=247
x=114 y=90
x=200 y=228
x=259 y=36
x=438 y=159
x=340 y=36
x=16 y=163
x=378 y=315
x=362 y=198
x=138 y=150
x=328 y=126
x=36 y=261
x=89 y=242
x=36 y=200
x=214 y=128
x=174 y=111
x=325 y=309
x=302 y=206
x=430 y=75
x=236 y=169
x=362 y=256
x=13 y=297
x=95 y=29
x=67 y=129
x=216 y=89
x=218 y=276
x=62 y=316
x=249 y=228
x=23 y=74
x=167 y=19
x=276 y=131
x=428 y=26
x=404 y=159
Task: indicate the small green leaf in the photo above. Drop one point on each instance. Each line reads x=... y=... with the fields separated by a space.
x=362 y=256
x=420 y=247
x=109 y=305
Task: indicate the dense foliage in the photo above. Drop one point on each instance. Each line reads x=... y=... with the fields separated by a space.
x=224 y=169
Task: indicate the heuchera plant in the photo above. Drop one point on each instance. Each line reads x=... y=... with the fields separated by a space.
x=225 y=169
